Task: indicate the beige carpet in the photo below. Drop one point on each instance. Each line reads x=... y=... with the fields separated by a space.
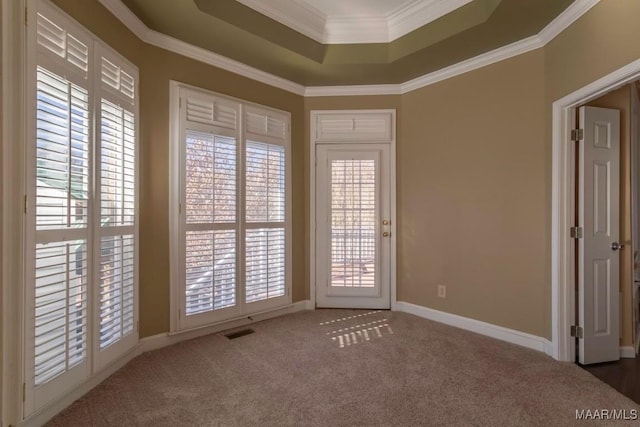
x=345 y=368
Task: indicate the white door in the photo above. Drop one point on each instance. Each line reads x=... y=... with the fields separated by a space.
x=353 y=226
x=599 y=249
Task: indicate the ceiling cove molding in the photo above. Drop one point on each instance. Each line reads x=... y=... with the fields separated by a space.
x=300 y=16
x=353 y=90
x=555 y=27
x=147 y=35
x=361 y=29
x=416 y=14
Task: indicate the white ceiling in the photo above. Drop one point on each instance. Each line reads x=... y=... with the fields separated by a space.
x=354 y=21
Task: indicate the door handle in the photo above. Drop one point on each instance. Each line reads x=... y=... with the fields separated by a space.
x=615 y=246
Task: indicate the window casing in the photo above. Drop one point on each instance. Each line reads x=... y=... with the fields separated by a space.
x=230 y=215
x=81 y=207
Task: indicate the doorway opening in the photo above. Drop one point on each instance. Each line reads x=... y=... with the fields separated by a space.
x=565 y=209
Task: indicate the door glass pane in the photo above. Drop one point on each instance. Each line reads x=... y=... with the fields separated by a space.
x=353 y=223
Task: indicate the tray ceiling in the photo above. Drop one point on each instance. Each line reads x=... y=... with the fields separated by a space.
x=354 y=21
x=235 y=30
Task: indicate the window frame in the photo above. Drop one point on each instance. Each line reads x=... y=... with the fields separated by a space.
x=179 y=321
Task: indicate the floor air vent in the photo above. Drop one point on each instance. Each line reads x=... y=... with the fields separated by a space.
x=240 y=333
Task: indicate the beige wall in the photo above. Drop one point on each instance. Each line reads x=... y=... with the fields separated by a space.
x=620 y=99
x=157 y=67
x=472 y=212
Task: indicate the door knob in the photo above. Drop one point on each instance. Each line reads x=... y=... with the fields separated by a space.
x=615 y=246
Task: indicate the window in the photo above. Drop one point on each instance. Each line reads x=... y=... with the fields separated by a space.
x=230 y=207
x=81 y=208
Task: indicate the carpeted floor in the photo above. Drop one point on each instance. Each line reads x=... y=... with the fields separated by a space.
x=346 y=368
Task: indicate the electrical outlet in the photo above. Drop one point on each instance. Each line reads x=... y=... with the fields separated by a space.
x=442 y=291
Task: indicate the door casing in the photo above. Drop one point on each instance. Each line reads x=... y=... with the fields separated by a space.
x=563 y=256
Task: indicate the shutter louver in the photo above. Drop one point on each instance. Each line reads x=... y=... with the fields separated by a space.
x=62 y=156
x=60 y=308
x=265 y=184
x=211 y=178
x=117 y=189
x=210 y=270
x=115 y=77
x=265 y=266
x=265 y=125
x=62 y=44
x=212 y=112
x=353 y=127
x=116 y=288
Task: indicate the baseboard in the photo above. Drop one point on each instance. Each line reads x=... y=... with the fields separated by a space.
x=498 y=332
x=158 y=341
x=45 y=414
x=627 y=352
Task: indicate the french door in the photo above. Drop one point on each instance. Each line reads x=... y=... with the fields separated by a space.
x=353 y=226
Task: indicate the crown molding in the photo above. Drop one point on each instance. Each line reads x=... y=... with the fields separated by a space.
x=555 y=27
x=353 y=90
x=360 y=29
x=301 y=16
x=155 y=38
x=419 y=13
x=565 y=19
x=491 y=57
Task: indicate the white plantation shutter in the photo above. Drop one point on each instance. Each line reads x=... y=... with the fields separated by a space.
x=210 y=222
x=232 y=228
x=58 y=273
x=116 y=288
x=81 y=233
x=116 y=195
x=265 y=214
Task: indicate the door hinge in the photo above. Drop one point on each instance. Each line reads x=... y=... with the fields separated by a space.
x=576 y=232
x=577 y=331
x=577 y=134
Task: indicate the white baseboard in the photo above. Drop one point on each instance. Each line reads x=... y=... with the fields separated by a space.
x=504 y=334
x=627 y=352
x=158 y=341
x=45 y=414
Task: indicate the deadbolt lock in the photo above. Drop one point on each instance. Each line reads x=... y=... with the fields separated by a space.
x=386 y=234
x=386 y=222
